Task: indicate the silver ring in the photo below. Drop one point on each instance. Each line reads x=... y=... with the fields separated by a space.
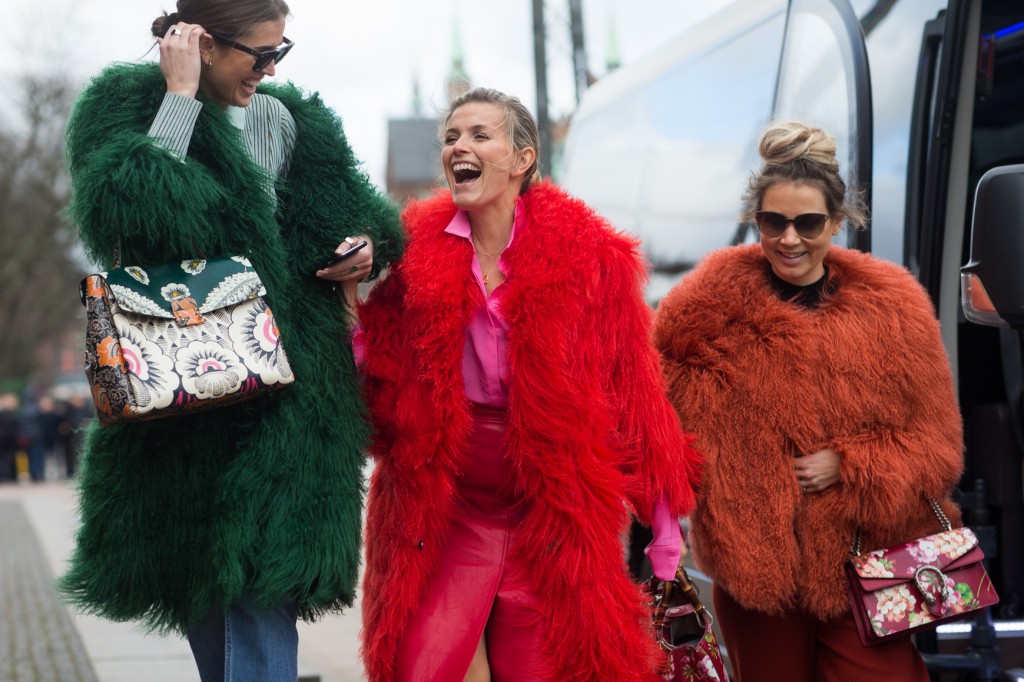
x=175 y=31
x=353 y=268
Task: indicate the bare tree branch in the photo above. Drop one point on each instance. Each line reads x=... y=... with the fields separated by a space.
x=37 y=264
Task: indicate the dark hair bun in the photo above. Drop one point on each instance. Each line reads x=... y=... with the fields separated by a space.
x=162 y=23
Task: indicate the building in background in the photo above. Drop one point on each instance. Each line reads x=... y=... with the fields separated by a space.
x=414 y=164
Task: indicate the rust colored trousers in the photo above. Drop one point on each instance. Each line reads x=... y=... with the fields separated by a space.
x=477 y=590
x=797 y=647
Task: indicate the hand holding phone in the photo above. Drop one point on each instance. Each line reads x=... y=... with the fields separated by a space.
x=338 y=257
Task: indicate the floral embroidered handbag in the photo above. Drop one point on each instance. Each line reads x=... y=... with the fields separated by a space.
x=683 y=626
x=177 y=337
x=917 y=585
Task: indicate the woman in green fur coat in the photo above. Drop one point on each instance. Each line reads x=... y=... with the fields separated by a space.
x=240 y=519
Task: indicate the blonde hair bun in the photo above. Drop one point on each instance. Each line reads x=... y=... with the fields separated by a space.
x=802 y=154
x=789 y=141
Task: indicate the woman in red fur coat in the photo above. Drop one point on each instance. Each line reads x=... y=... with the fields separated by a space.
x=816 y=382
x=520 y=417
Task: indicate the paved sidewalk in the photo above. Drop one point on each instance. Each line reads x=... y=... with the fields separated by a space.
x=36 y=635
x=43 y=641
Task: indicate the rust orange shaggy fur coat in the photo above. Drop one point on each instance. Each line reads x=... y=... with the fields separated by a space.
x=590 y=435
x=760 y=381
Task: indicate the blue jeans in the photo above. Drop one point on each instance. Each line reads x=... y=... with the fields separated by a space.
x=247 y=644
x=37 y=462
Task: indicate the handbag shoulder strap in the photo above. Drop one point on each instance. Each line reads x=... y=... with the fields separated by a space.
x=855 y=549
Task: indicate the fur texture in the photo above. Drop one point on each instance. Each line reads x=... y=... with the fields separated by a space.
x=589 y=429
x=184 y=515
x=760 y=380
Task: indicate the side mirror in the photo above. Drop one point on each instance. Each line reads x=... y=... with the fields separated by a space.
x=992 y=282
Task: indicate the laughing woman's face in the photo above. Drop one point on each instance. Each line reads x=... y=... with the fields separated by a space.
x=231 y=80
x=479 y=163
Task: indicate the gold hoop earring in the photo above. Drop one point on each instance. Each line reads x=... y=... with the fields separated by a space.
x=209 y=65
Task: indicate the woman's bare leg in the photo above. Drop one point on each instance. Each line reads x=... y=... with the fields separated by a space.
x=479 y=667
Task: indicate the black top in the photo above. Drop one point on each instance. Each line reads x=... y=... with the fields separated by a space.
x=808 y=295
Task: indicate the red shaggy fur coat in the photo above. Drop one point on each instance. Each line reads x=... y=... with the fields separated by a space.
x=760 y=380
x=589 y=428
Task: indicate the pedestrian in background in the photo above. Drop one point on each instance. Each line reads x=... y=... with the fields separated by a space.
x=520 y=416
x=40 y=425
x=816 y=382
x=229 y=524
x=10 y=434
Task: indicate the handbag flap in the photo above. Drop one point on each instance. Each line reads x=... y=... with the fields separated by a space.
x=203 y=285
x=899 y=562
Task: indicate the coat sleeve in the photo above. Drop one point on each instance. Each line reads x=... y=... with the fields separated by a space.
x=328 y=196
x=126 y=186
x=661 y=458
x=919 y=451
x=380 y=316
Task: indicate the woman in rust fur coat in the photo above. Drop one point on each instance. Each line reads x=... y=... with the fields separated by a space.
x=520 y=416
x=816 y=382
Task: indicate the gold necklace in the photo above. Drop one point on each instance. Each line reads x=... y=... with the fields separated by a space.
x=489 y=256
x=487 y=277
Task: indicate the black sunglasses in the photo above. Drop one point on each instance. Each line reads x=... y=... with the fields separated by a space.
x=262 y=58
x=808 y=225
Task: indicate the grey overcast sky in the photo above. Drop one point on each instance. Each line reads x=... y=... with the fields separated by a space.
x=364 y=57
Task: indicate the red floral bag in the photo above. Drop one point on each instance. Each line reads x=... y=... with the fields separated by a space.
x=682 y=625
x=917 y=585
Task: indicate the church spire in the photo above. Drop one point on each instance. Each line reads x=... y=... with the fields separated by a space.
x=457 y=82
x=417 y=99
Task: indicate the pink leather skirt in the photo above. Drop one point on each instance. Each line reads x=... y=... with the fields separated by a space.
x=476 y=589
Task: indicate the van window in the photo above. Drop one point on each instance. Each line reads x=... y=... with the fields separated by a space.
x=817 y=77
x=894 y=49
x=667 y=160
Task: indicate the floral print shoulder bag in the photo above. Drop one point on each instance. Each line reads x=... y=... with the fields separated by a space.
x=917 y=585
x=683 y=627
x=177 y=337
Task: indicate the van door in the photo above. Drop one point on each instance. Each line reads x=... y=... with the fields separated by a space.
x=940 y=141
x=824 y=81
x=977 y=127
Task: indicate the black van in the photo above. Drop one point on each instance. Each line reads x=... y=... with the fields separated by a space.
x=926 y=99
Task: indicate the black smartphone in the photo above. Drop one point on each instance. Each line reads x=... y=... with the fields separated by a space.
x=338 y=257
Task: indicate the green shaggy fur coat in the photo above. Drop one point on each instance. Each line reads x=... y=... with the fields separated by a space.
x=186 y=515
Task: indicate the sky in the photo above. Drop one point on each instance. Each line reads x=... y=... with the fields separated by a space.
x=363 y=58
